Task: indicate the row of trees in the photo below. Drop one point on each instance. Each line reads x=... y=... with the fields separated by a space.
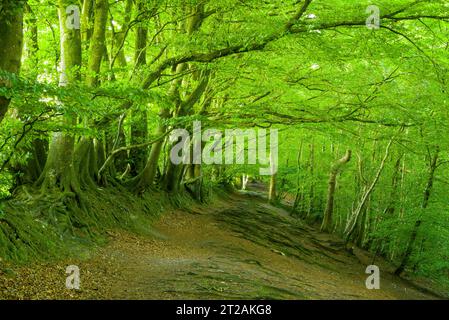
x=361 y=112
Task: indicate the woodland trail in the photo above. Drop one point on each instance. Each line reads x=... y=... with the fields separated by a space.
x=248 y=250
x=238 y=248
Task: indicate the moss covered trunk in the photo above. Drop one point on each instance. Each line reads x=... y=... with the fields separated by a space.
x=11 y=40
x=139 y=128
x=59 y=169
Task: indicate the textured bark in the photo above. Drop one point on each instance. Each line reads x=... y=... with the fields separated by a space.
x=85 y=162
x=172 y=178
x=361 y=226
x=11 y=40
x=32 y=43
x=97 y=42
x=85 y=155
x=70 y=48
x=336 y=169
x=146 y=177
x=59 y=169
x=173 y=175
x=32 y=170
x=139 y=128
x=140 y=54
x=86 y=15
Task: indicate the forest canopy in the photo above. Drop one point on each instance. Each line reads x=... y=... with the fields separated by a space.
x=91 y=90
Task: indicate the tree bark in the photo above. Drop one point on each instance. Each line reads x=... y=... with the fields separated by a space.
x=11 y=40
x=32 y=169
x=59 y=168
x=174 y=173
x=354 y=218
x=97 y=45
x=120 y=37
x=146 y=177
x=85 y=155
x=139 y=127
x=86 y=28
x=272 y=194
x=299 y=194
x=414 y=234
x=140 y=54
x=312 y=179
x=335 y=170
x=245 y=179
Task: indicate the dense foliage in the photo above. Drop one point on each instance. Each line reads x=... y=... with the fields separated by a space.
x=92 y=108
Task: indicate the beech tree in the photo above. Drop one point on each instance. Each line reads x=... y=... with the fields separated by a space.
x=361 y=111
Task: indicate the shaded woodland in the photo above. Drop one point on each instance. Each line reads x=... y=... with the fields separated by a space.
x=86 y=111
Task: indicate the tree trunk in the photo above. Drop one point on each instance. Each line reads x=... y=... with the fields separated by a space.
x=139 y=127
x=312 y=179
x=414 y=234
x=146 y=178
x=354 y=218
x=272 y=194
x=336 y=169
x=140 y=53
x=299 y=195
x=11 y=40
x=85 y=155
x=119 y=39
x=173 y=175
x=32 y=44
x=97 y=45
x=32 y=169
x=86 y=28
x=245 y=179
x=59 y=170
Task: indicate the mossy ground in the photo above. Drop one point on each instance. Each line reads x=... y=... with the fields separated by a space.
x=42 y=227
x=237 y=247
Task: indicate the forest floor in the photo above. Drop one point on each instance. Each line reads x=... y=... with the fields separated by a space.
x=234 y=248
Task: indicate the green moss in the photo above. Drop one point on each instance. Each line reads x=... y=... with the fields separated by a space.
x=56 y=225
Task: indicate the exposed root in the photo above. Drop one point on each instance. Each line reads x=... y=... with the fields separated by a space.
x=42 y=223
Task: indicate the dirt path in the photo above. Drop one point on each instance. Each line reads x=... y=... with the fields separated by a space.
x=248 y=250
x=241 y=248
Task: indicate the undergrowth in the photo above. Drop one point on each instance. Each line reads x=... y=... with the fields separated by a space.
x=36 y=227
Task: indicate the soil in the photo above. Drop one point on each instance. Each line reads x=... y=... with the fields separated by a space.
x=236 y=248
